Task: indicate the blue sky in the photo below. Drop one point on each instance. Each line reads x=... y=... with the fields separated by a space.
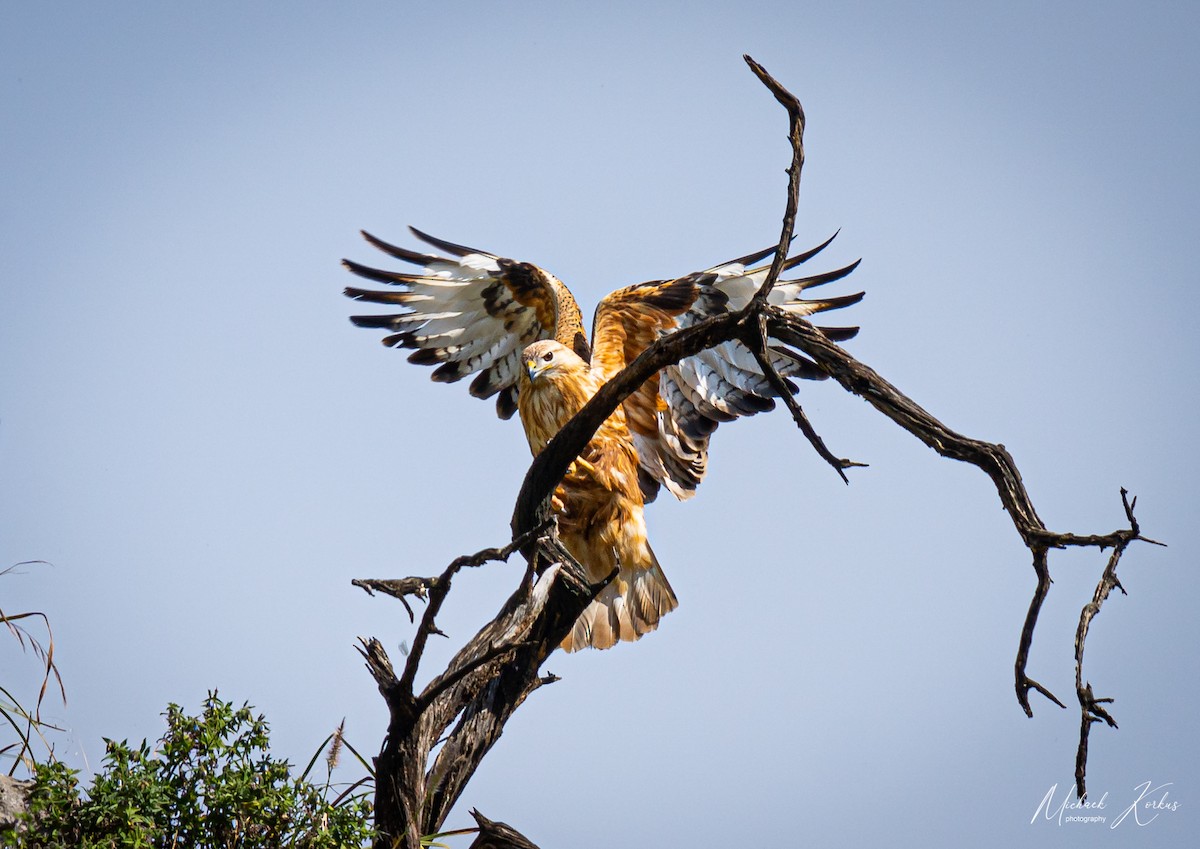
x=206 y=451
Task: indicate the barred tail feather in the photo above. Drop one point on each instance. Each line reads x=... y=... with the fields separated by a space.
x=624 y=610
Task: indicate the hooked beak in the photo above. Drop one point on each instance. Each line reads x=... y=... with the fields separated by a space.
x=532 y=368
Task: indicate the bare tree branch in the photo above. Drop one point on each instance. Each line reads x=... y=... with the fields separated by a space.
x=438 y=591
x=796 y=138
x=551 y=464
x=498 y=668
x=1022 y=681
x=498 y=835
x=761 y=344
x=398 y=588
x=1090 y=709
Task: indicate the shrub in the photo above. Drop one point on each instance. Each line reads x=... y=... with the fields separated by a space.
x=210 y=783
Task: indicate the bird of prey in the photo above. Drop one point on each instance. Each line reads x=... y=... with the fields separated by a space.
x=519 y=331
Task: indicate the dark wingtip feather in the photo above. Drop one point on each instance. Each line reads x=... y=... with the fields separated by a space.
x=372 y=320
x=424 y=357
x=827 y=277
x=392 y=278
x=482 y=386
x=506 y=404
x=448 y=247
x=447 y=373
x=811 y=252
x=400 y=253
x=750 y=404
x=840 y=302
x=750 y=259
x=373 y=296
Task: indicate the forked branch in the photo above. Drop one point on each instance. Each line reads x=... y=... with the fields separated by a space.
x=1090 y=706
x=499 y=667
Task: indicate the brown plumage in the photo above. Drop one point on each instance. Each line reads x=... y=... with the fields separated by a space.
x=598 y=503
x=517 y=328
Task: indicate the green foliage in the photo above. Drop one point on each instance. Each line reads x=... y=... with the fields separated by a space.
x=209 y=783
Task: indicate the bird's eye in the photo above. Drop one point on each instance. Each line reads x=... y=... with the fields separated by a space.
x=548 y=356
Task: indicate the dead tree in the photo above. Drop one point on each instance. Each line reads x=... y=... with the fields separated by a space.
x=500 y=666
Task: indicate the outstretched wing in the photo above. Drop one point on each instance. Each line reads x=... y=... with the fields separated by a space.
x=469 y=313
x=673 y=418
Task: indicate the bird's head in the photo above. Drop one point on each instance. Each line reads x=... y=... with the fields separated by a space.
x=549 y=357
